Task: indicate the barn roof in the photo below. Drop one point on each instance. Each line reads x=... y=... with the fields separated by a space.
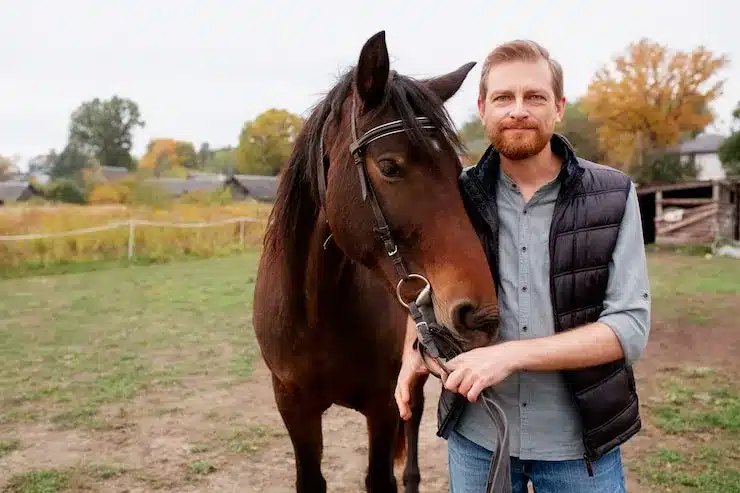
x=258 y=186
x=702 y=144
x=12 y=190
x=179 y=186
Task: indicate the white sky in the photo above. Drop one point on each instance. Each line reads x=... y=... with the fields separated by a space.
x=200 y=69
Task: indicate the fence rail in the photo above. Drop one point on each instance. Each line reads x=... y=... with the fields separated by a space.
x=131 y=224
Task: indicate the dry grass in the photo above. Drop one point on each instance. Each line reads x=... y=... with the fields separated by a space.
x=151 y=242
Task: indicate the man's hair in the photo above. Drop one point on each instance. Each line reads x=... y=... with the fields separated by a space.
x=521 y=50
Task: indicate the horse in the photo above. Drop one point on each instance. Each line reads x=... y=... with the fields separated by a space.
x=367 y=204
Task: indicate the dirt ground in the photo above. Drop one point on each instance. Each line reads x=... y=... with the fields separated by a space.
x=179 y=440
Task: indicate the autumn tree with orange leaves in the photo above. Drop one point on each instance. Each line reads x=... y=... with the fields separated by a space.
x=166 y=155
x=651 y=98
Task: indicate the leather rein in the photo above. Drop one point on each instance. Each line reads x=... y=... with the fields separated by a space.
x=433 y=340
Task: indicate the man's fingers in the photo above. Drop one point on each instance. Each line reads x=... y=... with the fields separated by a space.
x=475 y=390
x=466 y=384
x=402 y=396
x=453 y=380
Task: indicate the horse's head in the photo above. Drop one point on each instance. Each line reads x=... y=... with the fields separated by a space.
x=406 y=176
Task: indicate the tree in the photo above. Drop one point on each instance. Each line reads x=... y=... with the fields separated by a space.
x=70 y=163
x=651 y=98
x=43 y=163
x=265 y=143
x=729 y=151
x=582 y=133
x=473 y=136
x=8 y=168
x=205 y=154
x=104 y=129
x=165 y=155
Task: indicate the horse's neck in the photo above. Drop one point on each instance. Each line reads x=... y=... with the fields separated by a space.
x=326 y=268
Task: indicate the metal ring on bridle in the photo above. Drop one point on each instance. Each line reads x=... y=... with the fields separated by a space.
x=400 y=283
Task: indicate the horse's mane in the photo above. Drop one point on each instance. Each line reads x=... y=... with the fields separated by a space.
x=296 y=205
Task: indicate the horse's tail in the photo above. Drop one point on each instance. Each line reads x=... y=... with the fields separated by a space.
x=400 y=453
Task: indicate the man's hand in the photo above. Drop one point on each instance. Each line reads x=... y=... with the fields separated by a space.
x=480 y=368
x=412 y=368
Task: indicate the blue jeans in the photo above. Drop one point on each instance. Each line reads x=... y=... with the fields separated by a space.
x=469 y=463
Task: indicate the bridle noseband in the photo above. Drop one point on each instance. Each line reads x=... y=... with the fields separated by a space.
x=433 y=339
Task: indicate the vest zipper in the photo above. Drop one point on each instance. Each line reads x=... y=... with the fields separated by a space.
x=589 y=467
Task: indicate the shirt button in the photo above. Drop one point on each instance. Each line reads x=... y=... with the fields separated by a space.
x=524 y=288
x=524 y=328
x=524 y=211
x=524 y=249
x=524 y=404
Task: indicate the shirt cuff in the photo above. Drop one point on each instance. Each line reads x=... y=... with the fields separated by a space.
x=631 y=332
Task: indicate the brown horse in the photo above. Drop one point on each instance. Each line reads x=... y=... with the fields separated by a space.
x=326 y=312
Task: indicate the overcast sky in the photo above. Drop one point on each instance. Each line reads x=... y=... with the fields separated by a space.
x=199 y=69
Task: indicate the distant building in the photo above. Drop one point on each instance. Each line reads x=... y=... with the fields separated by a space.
x=16 y=191
x=703 y=151
x=262 y=188
x=112 y=173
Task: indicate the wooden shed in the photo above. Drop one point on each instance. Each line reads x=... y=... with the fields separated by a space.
x=690 y=212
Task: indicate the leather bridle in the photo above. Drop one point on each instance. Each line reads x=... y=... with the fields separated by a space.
x=433 y=339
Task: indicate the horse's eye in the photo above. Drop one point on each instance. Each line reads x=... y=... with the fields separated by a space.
x=389 y=169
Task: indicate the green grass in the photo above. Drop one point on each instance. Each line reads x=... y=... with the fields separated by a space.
x=697 y=412
x=40 y=481
x=76 y=346
x=691 y=289
x=62 y=480
x=8 y=445
x=71 y=343
x=685 y=275
x=698 y=400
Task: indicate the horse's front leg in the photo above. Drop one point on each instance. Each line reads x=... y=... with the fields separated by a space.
x=302 y=418
x=411 y=473
x=382 y=425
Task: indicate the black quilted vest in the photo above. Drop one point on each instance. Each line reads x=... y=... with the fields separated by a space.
x=584 y=230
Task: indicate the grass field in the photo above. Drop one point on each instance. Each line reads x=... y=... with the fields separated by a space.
x=147 y=378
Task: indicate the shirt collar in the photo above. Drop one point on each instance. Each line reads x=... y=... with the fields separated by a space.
x=489 y=164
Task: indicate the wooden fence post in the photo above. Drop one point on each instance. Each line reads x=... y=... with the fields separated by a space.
x=130 y=239
x=241 y=231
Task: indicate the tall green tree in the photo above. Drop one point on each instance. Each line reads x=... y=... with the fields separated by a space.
x=104 y=129
x=70 y=163
x=581 y=132
x=729 y=151
x=265 y=144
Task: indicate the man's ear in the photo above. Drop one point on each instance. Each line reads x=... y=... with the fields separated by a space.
x=560 y=105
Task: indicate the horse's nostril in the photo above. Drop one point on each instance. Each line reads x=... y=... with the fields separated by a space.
x=463 y=315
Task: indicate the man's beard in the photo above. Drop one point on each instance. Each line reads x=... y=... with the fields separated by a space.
x=519 y=145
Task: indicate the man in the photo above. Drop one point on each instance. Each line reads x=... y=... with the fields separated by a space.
x=563 y=237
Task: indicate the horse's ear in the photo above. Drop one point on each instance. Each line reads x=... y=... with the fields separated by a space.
x=445 y=86
x=372 y=71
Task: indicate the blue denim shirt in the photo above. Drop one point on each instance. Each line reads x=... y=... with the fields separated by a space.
x=543 y=421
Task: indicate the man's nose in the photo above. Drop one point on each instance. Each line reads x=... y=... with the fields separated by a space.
x=518 y=109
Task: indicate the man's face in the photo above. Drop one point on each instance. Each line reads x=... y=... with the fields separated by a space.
x=520 y=110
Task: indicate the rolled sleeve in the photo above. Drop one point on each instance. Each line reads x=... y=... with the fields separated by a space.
x=627 y=302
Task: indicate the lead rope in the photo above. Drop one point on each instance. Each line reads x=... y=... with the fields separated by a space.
x=438 y=343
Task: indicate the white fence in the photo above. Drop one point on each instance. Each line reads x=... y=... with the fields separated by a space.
x=131 y=224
